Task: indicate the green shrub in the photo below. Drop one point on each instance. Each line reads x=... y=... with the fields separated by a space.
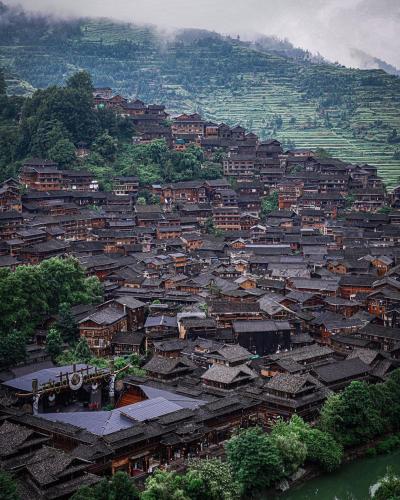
x=387 y=445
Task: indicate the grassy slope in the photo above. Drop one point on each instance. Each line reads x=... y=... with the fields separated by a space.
x=226 y=81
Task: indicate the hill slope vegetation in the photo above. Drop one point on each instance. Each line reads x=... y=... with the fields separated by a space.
x=354 y=114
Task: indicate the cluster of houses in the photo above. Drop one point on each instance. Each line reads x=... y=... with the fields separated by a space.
x=240 y=316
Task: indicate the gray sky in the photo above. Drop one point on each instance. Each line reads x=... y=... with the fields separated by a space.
x=331 y=27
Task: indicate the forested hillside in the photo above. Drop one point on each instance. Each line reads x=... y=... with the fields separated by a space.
x=354 y=114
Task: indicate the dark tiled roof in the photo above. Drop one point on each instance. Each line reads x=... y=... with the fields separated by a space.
x=106 y=316
x=260 y=326
x=342 y=370
x=165 y=366
x=228 y=374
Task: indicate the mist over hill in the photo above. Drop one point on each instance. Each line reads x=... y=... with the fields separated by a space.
x=266 y=84
x=332 y=28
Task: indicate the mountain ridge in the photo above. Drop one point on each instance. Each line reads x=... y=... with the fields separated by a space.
x=352 y=113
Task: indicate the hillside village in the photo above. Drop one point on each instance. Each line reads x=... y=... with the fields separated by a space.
x=273 y=90
x=248 y=297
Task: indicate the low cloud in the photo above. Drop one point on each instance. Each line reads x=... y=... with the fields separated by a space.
x=333 y=28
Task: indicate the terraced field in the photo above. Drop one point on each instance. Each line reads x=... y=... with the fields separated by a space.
x=349 y=112
x=262 y=101
x=103 y=31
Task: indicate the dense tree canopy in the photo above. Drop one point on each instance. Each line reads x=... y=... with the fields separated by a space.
x=320 y=447
x=54 y=343
x=165 y=485
x=292 y=449
x=119 y=487
x=30 y=293
x=63 y=152
x=255 y=460
x=52 y=122
x=351 y=416
x=386 y=398
x=217 y=477
x=66 y=324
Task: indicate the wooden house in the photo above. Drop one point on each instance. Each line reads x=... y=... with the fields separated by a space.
x=10 y=196
x=288 y=394
x=188 y=125
x=167 y=369
x=41 y=175
x=100 y=327
x=10 y=222
x=227 y=218
x=125 y=185
x=184 y=191
x=228 y=378
x=263 y=336
x=350 y=286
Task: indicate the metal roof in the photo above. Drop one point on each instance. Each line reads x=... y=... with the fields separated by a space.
x=182 y=401
x=101 y=423
x=148 y=409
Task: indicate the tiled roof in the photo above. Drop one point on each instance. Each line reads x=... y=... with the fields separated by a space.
x=341 y=370
x=228 y=374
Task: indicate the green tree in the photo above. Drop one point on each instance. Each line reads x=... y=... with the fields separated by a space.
x=81 y=81
x=8 y=146
x=66 y=324
x=54 y=343
x=82 y=351
x=393 y=137
x=320 y=446
x=23 y=299
x=65 y=282
x=217 y=479
x=134 y=366
x=47 y=134
x=389 y=487
x=218 y=155
x=122 y=487
x=72 y=106
x=292 y=450
x=211 y=229
x=166 y=486
x=93 y=290
x=102 y=490
x=63 y=152
x=8 y=487
x=141 y=200
x=351 y=416
x=269 y=204
x=386 y=397
x=106 y=146
x=211 y=170
x=323 y=450
x=85 y=493
x=255 y=460
x=12 y=348
x=157 y=151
